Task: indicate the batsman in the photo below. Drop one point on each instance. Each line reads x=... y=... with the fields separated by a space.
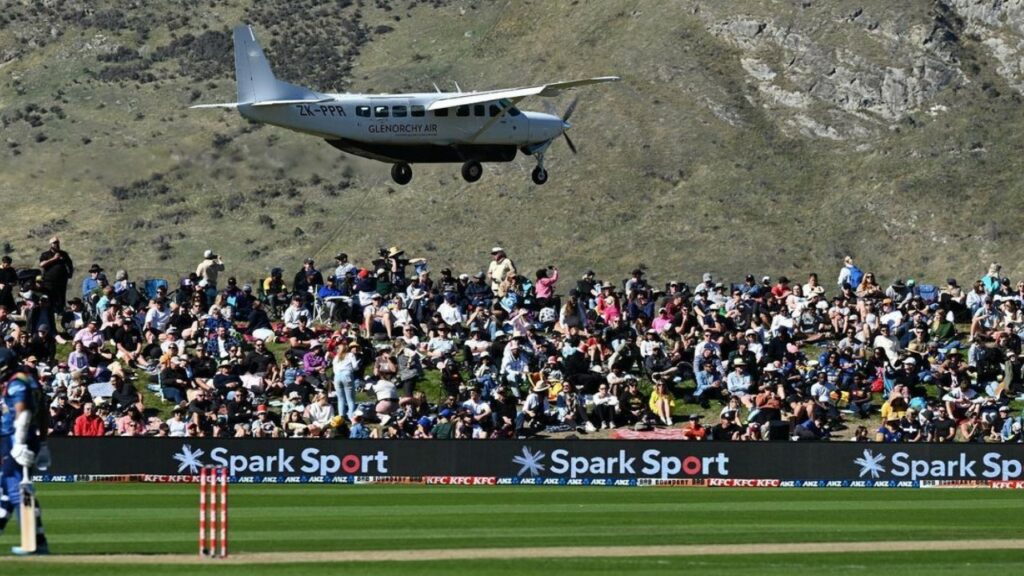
x=23 y=428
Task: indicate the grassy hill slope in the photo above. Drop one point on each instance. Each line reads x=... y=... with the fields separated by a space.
x=761 y=136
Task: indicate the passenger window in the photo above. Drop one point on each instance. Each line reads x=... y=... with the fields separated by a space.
x=399 y=111
x=462 y=111
x=494 y=110
x=380 y=111
x=441 y=112
x=363 y=111
x=479 y=110
x=417 y=111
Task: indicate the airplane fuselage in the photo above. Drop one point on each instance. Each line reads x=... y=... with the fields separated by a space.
x=399 y=128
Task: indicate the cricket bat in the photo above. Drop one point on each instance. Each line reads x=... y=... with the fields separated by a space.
x=28 y=512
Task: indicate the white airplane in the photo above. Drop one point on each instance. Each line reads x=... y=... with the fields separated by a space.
x=402 y=129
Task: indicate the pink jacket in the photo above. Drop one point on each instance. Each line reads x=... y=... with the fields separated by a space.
x=546 y=286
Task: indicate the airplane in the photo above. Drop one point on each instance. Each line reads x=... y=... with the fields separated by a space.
x=403 y=129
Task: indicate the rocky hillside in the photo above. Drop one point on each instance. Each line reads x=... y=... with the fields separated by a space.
x=765 y=136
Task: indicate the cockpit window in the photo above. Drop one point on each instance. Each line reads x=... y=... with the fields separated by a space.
x=512 y=110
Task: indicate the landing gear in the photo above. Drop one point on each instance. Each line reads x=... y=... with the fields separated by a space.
x=472 y=171
x=540 y=175
x=401 y=173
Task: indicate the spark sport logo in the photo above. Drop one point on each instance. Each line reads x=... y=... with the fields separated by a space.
x=901 y=465
x=309 y=461
x=650 y=463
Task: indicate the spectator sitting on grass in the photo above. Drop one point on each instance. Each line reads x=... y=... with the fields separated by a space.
x=738 y=383
x=319 y=414
x=264 y=426
x=693 y=429
x=176 y=424
x=88 y=424
x=572 y=411
x=294 y=312
x=89 y=335
x=220 y=343
x=358 y=430
x=605 y=406
x=225 y=382
x=131 y=423
x=439 y=347
x=727 y=427
x=661 y=403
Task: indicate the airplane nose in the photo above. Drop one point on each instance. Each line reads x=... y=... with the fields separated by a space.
x=565 y=125
x=553 y=126
x=545 y=127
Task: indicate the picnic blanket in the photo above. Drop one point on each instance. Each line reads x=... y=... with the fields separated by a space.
x=656 y=434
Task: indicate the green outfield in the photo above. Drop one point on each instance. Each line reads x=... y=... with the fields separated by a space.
x=292 y=529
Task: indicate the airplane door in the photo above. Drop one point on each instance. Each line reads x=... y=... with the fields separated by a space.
x=499 y=125
x=505 y=128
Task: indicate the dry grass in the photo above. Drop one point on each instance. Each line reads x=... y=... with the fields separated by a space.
x=660 y=179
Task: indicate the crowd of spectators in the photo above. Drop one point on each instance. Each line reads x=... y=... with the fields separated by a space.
x=344 y=351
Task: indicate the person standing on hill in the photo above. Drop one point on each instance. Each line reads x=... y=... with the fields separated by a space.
x=209 y=269
x=57 y=269
x=499 y=268
x=8 y=281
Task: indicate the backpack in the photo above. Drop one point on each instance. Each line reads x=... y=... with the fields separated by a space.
x=856 y=275
x=928 y=292
x=509 y=301
x=547 y=315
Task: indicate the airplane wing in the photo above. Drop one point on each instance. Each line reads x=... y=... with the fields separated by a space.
x=515 y=93
x=265 y=103
x=300 y=101
x=225 y=105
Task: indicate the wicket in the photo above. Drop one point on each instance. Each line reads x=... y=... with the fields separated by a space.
x=210 y=516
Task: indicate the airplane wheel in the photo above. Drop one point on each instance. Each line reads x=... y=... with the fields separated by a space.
x=472 y=171
x=401 y=173
x=540 y=175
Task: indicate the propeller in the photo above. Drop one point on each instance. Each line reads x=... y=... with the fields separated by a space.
x=565 y=123
x=569 y=142
x=570 y=109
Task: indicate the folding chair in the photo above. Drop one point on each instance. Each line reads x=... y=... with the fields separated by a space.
x=150 y=286
x=321 y=311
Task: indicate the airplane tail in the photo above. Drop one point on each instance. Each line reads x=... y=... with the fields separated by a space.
x=257 y=85
x=256 y=82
